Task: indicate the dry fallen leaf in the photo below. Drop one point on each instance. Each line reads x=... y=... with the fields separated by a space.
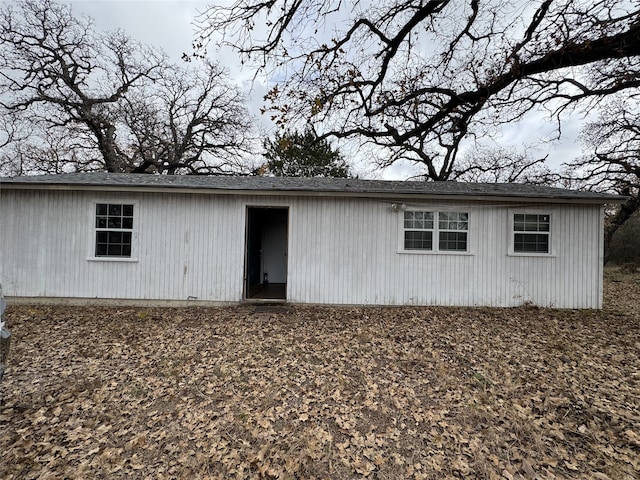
x=324 y=392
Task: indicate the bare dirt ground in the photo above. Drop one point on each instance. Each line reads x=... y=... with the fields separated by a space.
x=311 y=392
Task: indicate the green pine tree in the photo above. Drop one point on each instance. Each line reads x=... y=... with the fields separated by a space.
x=295 y=154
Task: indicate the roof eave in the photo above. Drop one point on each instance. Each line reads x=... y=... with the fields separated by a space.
x=314 y=193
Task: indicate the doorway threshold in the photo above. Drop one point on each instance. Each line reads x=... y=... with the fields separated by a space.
x=270 y=292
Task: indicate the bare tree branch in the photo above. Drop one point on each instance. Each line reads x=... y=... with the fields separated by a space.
x=119 y=98
x=611 y=162
x=419 y=79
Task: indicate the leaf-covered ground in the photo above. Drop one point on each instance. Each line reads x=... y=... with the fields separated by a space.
x=319 y=392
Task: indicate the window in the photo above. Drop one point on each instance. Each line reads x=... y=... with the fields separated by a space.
x=114 y=230
x=531 y=233
x=453 y=227
x=418 y=230
x=435 y=231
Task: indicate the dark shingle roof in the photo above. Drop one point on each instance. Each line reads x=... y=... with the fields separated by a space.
x=303 y=186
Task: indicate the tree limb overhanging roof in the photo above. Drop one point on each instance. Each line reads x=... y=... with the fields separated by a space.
x=299 y=186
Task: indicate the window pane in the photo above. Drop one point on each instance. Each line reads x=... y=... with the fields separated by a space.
x=101 y=249
x=408 y=222
x=127 y=210
x=101 y=237
x=453 y=241
x=418 y=220
x=127 y=222
x=114 y=250
x=408 y=219
x=428 y=220
x=115 y=210
x=114 y=222
x=443 y=221
x=101 y=209
x=115 y=237
x=418 y=240
x=452 y=221
x=101 y=222
x=531 y=242
x=531 y=223
x=543 y=223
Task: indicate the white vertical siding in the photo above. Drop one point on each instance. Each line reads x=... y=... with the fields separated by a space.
x=346 y=251
x=185 y=246
x=341 y=251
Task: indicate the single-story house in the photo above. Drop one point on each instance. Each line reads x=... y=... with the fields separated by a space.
x=127 y=238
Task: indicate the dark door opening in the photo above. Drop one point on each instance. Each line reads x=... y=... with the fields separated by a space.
x=266 y=253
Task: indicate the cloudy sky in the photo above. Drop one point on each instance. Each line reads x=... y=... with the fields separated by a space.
x=168 y=24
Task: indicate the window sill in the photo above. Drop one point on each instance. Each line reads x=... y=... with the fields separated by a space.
x=431 y=252
x=112 y=259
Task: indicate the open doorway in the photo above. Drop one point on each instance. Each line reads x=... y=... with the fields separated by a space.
x=266 y=253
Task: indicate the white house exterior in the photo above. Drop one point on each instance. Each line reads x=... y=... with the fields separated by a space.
x=188 y=239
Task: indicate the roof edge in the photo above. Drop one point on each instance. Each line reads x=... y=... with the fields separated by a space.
x=600 y=200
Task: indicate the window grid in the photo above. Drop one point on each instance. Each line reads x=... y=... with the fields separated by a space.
x=418 y=220
x=418 y=233
x=453 y=227
x=418 y=240
x=531 y=233
x=453 y=241
x=114 y=229
x=435 y=231
x=530 y=223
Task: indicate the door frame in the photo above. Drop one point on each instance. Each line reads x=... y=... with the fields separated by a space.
x=249 y=208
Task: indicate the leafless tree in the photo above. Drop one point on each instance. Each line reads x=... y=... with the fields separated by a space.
x=194 y=122
x=49 y=150
x=11 y=130
x=611 y=162
x=421 y=78
x=115 y=104
x=502 y=165
x=57 y=68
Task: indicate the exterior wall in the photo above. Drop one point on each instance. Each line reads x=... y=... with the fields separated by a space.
x=341 y=251
x=347 y=252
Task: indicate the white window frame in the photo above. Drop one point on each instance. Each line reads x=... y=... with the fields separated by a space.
x=512 y=233
x=435 y=231
x=94 y=231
